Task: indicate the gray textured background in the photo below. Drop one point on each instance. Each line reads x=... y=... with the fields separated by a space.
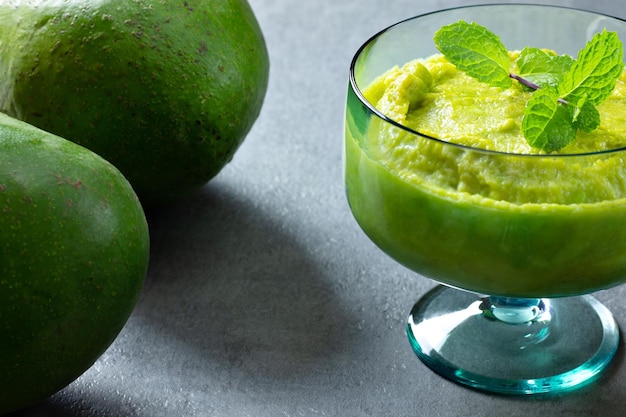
x=264 y=298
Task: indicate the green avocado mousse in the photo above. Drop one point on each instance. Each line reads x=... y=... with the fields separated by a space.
x=493 y=161
x=509 y=190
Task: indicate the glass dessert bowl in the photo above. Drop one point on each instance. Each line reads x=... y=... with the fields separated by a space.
x=518 y=240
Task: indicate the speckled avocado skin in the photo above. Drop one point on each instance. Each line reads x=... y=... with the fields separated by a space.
x=164 y=90
x=74 y=251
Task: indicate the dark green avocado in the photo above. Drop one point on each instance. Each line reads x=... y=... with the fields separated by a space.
x=74 y=252
x=164 y=90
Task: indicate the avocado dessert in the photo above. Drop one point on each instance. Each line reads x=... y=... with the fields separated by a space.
x=165 y=91
x=74 y=252
x=467 y=202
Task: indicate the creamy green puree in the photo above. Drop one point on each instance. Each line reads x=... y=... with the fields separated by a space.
x=431 y=96
x=514 y=222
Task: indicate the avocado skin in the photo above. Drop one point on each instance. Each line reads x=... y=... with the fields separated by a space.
x=166 y=91
x=74 y=250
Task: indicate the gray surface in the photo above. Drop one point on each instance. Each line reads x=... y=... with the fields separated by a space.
x=264 y=298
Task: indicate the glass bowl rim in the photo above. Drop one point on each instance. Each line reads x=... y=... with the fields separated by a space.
x=355 y=88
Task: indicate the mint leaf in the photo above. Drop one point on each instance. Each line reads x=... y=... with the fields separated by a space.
x=594 y=73
x=476 y=51
x=546 y=123
x=541 y=67
x=586 y=116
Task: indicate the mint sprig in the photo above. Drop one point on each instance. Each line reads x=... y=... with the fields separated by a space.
x=566 y=90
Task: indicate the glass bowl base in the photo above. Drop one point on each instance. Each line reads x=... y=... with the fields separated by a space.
x=513 y=346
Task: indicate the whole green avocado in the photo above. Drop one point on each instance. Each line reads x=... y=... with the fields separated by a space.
x=164 y=90
x=74 y=251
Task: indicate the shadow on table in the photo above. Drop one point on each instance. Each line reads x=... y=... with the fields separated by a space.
x=233 y=293
x=233 y=280
x=90 y=404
